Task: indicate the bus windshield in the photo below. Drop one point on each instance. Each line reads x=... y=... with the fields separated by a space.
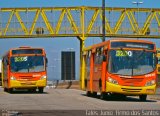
x=131 y=62
x=27 y=64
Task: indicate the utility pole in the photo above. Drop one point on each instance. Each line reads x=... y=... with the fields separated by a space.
x=103 y=20
x=137 y=3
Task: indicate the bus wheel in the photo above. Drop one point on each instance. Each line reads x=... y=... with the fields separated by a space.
x=143 y=97
x=123 y=97
x=103 y=95
x=5 y=89
x=94 y=94
x=32 y=90
x=10 y=90
x=40 y=90
x=88 y=93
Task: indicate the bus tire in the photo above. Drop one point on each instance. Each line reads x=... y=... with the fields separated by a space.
x=88 y=93
x=143 y=97
x=40 y=89
x=103 y=95
x=32 y=90
x=10 y=90
x=5 y=89
x=123 y=97
x=94 y=94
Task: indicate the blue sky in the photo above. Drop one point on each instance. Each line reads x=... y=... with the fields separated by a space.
x=65 y=3
x=56 y=45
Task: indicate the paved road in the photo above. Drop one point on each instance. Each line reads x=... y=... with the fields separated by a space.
x=71 y=99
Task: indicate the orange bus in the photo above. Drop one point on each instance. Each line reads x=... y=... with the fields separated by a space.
x=120 y=67
x=158 y=66
x=24 y=68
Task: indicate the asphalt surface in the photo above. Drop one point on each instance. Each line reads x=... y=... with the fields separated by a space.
x=156 y=96
x=64 y=102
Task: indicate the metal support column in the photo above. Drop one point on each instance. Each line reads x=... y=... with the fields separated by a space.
x=82 y=45
x=82 y=66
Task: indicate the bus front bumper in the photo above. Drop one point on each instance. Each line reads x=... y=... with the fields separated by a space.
x=27 y=84
x=130 y=90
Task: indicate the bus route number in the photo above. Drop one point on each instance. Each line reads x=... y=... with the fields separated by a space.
x=123 y=53
x=20 y=59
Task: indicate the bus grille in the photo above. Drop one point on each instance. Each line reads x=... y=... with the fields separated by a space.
x=26 y=77
x=130 y=90
x=131 y=81
x=28 y=83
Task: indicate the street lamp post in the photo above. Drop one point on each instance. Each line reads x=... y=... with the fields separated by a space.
x=137 y=3
x=103 y=20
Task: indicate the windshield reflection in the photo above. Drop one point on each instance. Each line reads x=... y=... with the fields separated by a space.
x=129 y=63
x=27 y=64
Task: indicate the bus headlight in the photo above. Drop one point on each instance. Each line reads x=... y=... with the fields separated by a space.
x=111 y=80
x=149 y=83
x=43 y=77
x=13 y=78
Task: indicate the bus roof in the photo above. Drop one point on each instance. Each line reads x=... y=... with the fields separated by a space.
x=132 y=40
x=116 y=40
x=24 y=50
x=24 y=47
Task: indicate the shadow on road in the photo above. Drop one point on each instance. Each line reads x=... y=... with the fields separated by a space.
x=120 y=99
x=26 y=92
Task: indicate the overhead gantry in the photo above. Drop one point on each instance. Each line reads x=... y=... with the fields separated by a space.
x=80 y=22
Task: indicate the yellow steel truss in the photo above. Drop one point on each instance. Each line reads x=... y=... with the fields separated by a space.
x=64 y=22
x=80 y=22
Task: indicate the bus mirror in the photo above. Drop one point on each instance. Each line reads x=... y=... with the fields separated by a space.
x=46 y=61
x=104 y=58
x=156 y=60
x=7 y=62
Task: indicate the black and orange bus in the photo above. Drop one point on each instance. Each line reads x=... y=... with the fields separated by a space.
x=122 y=67
x=24 y=68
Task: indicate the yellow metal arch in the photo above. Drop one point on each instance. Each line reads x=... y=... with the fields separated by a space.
x=49 y=27
x=34 y=22
x=72 y=22
x=60 y=20
x=67 y=21
x=119 y=22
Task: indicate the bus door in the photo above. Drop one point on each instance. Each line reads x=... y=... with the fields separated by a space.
x=97 y=70
x=87 y=69
x=5 y=72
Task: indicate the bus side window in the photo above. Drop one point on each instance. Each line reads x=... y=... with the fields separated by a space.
x=96 y=56
x=99 y=55
x=88 y=58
